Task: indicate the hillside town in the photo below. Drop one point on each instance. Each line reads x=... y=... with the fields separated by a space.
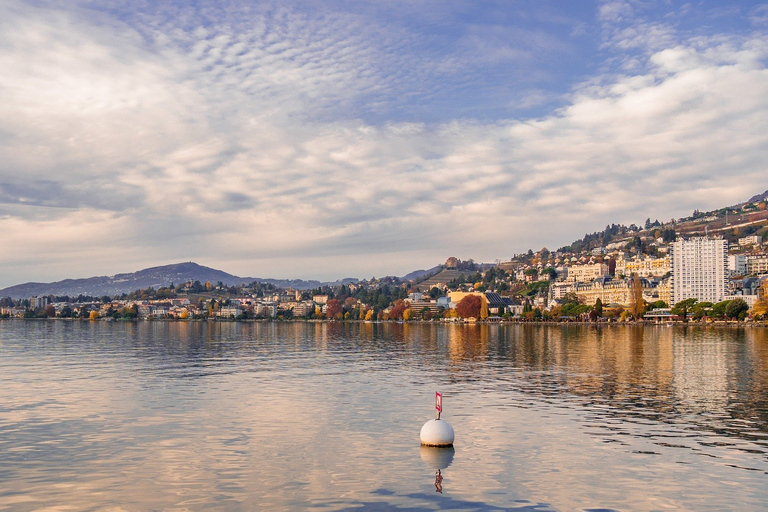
x=658 y=272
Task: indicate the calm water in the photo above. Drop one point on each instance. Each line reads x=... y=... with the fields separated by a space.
x=225 y=416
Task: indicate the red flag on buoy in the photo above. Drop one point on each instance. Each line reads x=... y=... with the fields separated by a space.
x=438 y=402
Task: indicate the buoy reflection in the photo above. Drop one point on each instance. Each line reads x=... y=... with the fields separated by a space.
x=439 y=459
x=438 y=482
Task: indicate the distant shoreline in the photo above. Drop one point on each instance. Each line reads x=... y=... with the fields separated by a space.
x=634 y=323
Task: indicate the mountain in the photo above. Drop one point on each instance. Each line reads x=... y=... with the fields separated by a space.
x=418 y=274
x=155 y=277
x=759 y=197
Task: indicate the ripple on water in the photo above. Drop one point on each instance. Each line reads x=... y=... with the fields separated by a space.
x=287 y=416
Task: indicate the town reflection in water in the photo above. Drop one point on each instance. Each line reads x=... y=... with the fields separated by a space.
x=659 y=372
x=714 y=376
x=178 y=415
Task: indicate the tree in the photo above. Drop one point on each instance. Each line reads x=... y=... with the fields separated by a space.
x=636 y=302
x=407 y=314
x=760 y=309
x=470 y=306
x=598 y=309
x=333 y=309
x=718 y=310
x=369 y=315
x=50 y=311
x=94 y=315
x=681 y=308
x=702 y=309
x=527 y=307
x=737 y=308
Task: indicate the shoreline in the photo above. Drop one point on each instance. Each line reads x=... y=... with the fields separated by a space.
x=633 y=323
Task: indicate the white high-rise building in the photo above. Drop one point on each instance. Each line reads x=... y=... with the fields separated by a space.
x=699 y=269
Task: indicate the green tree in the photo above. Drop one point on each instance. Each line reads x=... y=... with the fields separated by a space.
x=527 y=307
x=719 y=309
x=702 y=309
x=737 y=308
x=681 y=308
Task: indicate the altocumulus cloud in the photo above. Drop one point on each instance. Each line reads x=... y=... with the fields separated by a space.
x=271 y=140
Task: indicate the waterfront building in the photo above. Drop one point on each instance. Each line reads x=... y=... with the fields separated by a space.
x=265 y=309
x=38 y=302
x=698 y=269
x=609 y=291
x=304 y=308
x=418 y=306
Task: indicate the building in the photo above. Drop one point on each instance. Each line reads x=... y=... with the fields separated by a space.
x=757 y=264
x=304 y=308
x=586 y=273
x=421 y=306
x=643 y=267
x=230 y=312
x=751 y=240
x=265 y=309
x=737 y=264
x=698 y=269
x=38 y=302
x=613 y=291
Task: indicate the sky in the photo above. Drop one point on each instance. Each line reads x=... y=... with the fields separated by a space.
x=324 y=140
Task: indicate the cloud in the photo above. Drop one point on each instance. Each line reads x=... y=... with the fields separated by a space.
x=615 y=11
x=270 y=141
x=759 y=15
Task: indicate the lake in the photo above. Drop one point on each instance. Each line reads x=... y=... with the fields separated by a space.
x=287 y=416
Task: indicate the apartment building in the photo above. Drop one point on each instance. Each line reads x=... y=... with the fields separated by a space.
x=751 y=240
x=698 y=268
x=757 y=264
x=643 y=267
x=586 y=273
x=737 y=264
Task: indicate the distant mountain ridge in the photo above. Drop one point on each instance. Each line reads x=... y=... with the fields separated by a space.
x=155 y=277
x=759 y=197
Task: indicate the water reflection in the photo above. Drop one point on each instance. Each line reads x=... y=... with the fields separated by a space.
x=297 y=415
x=438 y=459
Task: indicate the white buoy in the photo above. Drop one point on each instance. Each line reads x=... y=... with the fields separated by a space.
x=437 y=433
